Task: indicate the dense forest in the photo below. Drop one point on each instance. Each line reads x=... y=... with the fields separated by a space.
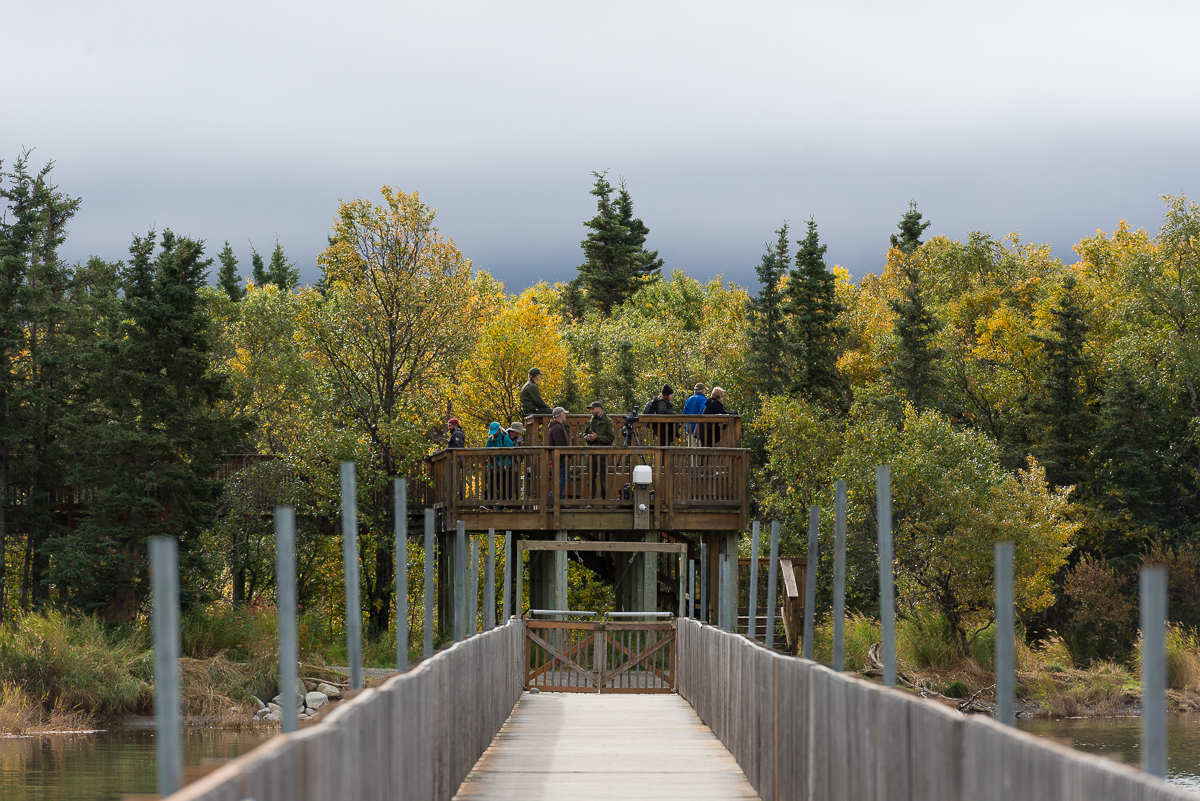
x=1015 y=397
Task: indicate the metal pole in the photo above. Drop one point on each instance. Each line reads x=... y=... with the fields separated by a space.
x=350 y=562
x=1004 y=634
x=519 y=584
x=752 y=606
x=506 y=610
x=810 y=579
x=401 y=574
x=703 y=582
x=682 y=597
x=722 y=592
x=430 y=557
x=489 y=583
x=460 y=582
x=691 y=587
x=164 y=589
x=285 y=604
x=887 y=591
x=1154 y=670
x=839 y=574
x=772 y=584
x=473 y=590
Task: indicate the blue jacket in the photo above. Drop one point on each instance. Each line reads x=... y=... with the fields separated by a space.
x=694 y=405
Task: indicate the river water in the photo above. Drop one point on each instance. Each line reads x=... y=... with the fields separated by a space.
x=1120 y=738
x=107 y=765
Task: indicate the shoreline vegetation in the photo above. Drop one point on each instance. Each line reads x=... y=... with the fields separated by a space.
x=63 y=673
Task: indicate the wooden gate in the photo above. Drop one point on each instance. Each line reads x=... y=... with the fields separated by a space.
x=600 y=657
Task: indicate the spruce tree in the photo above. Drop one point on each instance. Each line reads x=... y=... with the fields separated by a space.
x=768 y=328
x=152 y=434
x=1066 y=423
x=626 y=378
x=570 y=394
x=258 y=272
x=913 y=372
x=616 y=262
x=281 y=271
x=814 y=334
x=228 y=278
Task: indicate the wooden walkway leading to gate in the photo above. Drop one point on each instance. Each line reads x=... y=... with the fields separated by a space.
x=588 y=746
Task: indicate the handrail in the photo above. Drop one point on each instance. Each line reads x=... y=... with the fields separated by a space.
x=712 y=430
x=561 y=612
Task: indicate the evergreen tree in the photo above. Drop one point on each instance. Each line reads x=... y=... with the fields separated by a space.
x=911 y=227
x=814 y=335
x=1063 y=409
x=616 y=262
x=768 y=328
x=258 y=272
x=228 y=278
x=570 y=393
x=281 y=271
x=626 y=378
x=152 y=434
x=913 y=372
x=572 y=299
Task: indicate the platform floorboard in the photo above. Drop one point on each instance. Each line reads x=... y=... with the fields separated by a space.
x=581 y=746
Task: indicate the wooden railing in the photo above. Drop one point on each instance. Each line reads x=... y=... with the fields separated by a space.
x=554 y=481
x=663 y=430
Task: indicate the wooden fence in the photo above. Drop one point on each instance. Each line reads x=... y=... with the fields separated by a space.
x=415 y=738
x=801 y=731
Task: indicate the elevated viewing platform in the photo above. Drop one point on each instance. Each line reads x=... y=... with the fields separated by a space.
x=698 y=479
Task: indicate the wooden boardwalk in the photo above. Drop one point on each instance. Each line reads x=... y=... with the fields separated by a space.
x=582 y=746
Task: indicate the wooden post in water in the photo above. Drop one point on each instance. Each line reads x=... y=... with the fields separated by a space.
x=401 y=488
x=350 y=563
x=772 y=585
x=1154 y=670
x=752 y=605
x=506 y=609
x=887 y=600
x=430 y=569
x=164 y=592
x=839 y=575
x=489 y=583
x=1004 y=633
x=460 y=582
x=810 y=579
x=285 y=607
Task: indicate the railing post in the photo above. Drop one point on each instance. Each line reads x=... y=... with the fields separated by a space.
x=519 y=584
x=682 y=586
x=430 y=557
x=489 y=583
x=691 y=595
x=703 y=582
x=772 y=585
x=887 y=602
x=752 y=603
x=473 y=590
x=460 y=582
x=723 y=592
x=285 y=603
x=1154 y=670
x=401 y=488
x=506 y=609
x=1004 y=633
x=810 y=579
x=164 y=589
x=839 y=575
x=350 y=562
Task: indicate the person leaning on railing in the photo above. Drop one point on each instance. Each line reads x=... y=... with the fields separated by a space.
x=715 y=405
x=662 y=404
x=557 y=437
x=599 y=431
x=498 y=438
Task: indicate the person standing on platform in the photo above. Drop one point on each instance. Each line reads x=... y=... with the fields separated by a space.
x=458 y=437
x=662 y=404
x=531 y=395
x=498 y=469
x=599 y=432
x=557 y=437
x=695 y=405
x=715 y=405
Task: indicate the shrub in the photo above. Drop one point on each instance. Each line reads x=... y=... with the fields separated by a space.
x=956 y=689
x=861 y=632
x=1101 y=616
x=924 y=642
x=1183 y=658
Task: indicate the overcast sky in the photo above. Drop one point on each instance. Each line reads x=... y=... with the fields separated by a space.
x=244 y=120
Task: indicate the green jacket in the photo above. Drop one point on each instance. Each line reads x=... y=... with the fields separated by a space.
x=603 y=427
x=531 y=400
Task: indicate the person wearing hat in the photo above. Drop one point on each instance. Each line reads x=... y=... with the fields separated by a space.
x=662 y=404
x=557 y=436
x=458 y=437
x=499 y=470
x=531 y=395
x=516 y=432
x=599 y=431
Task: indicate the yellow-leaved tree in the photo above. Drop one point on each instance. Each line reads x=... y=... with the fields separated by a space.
x=524 y=334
